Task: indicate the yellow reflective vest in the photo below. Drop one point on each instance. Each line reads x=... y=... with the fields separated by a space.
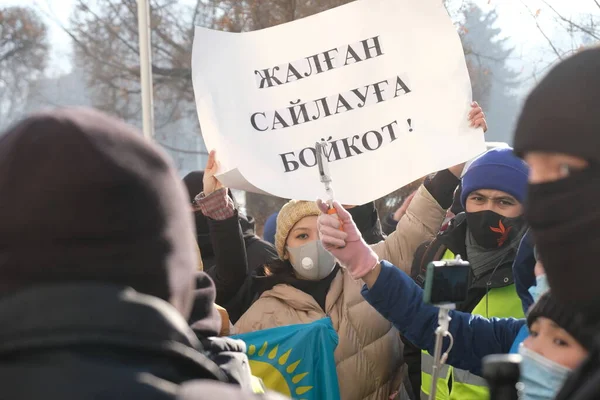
x=501 y=302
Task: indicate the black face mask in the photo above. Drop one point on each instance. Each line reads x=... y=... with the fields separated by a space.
x=566 y=207
x=564 y=216
x=493 y=231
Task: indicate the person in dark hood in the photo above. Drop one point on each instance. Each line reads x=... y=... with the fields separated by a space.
x=97 y=259
x=194 y=185
x=258 y=251
x=558 y=135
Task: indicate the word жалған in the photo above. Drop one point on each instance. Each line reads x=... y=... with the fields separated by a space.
x=323 y=62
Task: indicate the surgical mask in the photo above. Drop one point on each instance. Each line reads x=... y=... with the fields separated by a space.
x=541 y=378
x=311 y=261
x=541 y=287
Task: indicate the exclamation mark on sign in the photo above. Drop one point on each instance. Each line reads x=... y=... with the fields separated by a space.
x=410 y=129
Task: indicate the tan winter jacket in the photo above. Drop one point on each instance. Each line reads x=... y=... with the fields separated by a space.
x=369 y=353
x=421 y=223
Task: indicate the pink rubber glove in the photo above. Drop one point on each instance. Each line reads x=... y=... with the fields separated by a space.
x=346 y=245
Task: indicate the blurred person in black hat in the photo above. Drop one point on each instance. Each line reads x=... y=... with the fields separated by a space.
x=97 y=260
x=558 y=134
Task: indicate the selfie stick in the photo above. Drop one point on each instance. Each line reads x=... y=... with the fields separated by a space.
x=440 y=333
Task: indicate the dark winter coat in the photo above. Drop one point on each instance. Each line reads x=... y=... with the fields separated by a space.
x=97 y=341
x=259 y=252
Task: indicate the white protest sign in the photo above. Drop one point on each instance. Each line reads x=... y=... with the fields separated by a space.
x=383 y=81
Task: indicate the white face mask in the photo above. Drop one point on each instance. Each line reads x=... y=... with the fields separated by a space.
x=311 y=261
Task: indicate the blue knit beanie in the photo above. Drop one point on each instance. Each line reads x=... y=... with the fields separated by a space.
x=270 y=228
x=497 y=169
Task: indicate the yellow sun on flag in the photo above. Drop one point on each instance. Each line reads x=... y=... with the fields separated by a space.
x=277 y=371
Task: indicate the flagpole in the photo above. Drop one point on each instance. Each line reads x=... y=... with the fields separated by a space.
x=146 y=68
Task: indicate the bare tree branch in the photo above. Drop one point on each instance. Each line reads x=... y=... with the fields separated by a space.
x=572 y=23
x=542 y=32
x=23 y=58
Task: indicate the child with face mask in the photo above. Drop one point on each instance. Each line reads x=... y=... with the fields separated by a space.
x=553 y=343
x=558 y=343
x=400 y=300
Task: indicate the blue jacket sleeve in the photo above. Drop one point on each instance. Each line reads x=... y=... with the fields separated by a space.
x=395 y=296
x=523 y=270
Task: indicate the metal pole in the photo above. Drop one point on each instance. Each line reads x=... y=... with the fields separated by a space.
x=146 y=68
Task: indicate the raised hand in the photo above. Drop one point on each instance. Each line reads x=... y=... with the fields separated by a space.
x=346 y=245
x=212 y=167
x=477 y=117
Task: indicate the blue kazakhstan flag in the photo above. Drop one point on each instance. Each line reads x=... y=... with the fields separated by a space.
x=296 y=360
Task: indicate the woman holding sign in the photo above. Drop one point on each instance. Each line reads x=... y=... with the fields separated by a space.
x=307 y=284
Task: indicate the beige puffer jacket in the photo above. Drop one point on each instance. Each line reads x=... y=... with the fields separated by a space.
x=421 y=223
x=369 y=353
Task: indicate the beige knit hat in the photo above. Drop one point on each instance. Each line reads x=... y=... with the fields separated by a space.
x=289 y=215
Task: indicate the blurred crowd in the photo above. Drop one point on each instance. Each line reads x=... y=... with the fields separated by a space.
x=120 y=281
